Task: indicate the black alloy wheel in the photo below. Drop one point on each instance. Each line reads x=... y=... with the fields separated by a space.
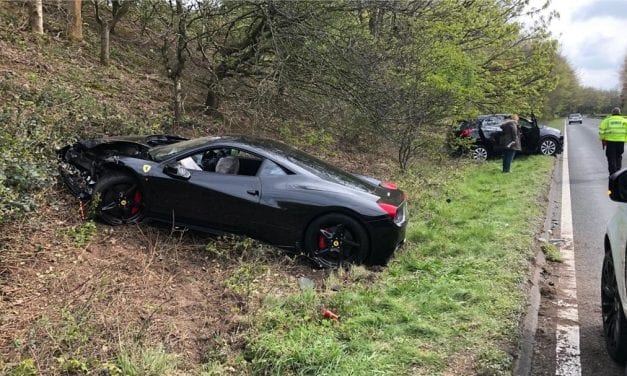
x=614 y=322
x=334 y=239
x=548 y=146
x=120 y=200
x=479 y=153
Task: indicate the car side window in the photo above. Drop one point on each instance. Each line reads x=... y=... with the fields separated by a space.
x=525 y=124
x=269 y=168
x=248 y=163
x=229 y=161
x=491 y=123
x=191 y=163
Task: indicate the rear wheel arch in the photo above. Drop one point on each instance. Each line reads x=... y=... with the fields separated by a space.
x=361 y=228
x=613 y=317
x=342 y=211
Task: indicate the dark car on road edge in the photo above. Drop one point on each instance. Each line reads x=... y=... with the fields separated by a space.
x=613 y=273
x=244 y=185
x=482 y=136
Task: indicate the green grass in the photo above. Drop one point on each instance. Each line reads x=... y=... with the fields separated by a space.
x=449 y=302
x=551 y=252
x=556 y=123
x=146 y=362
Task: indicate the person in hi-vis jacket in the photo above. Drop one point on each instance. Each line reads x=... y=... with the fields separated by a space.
x=613 y=134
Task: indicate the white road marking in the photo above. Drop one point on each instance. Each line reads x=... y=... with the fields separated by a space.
x=568 y=362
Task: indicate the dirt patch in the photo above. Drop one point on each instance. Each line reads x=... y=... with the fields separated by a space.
x=544 y=348
x=185 y=292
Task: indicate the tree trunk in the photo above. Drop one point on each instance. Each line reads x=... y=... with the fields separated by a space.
x=37 y=17
x=181 y=41
x=212 y=100
x=75 y=26
x=104 y=42
x=178 y=100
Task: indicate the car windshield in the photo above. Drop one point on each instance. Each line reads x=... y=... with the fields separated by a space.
x=161 y=153
x=575 y=115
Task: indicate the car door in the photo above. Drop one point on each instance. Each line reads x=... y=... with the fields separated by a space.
x=222 y=201
x=206 y=199
x=491 y=131
x=282 y=212
x=530 y=134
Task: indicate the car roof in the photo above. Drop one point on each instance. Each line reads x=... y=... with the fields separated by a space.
x=492 y=115
x=293 y=158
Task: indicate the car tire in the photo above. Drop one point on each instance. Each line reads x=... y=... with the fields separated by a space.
x=614 y=322
x=479 y=153
x=120 y=199
x=548 y=146
x=334 y=239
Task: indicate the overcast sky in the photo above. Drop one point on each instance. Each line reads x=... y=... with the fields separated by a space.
x=593 y=37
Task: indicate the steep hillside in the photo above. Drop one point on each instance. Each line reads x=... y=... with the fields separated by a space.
x=77 y=296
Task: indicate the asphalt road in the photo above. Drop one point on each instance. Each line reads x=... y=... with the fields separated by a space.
x=591 y=210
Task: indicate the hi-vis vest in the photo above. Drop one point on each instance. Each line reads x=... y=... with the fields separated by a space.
x=613 y=128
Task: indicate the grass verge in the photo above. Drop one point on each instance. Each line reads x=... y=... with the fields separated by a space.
x=556 y=123
x=551 y=252
x=450 y=301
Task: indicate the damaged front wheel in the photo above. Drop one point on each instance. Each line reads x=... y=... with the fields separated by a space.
x=120 y=199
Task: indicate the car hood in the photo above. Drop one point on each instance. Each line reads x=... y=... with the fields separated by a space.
x=146 y=141
x=550 y=131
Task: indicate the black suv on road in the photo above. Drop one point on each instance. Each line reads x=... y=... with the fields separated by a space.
x=483 y=134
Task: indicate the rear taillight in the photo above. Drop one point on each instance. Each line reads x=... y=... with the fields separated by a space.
x=466 y=132
x=389 y=209
x=389 y=185
x=396 y=213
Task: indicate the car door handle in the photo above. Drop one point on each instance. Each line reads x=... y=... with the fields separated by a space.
x=253 y=192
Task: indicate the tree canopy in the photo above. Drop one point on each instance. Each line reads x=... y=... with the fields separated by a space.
x=393 y=68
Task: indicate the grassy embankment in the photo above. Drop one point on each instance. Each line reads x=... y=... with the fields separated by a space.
x=83 y=298
x=450 y=301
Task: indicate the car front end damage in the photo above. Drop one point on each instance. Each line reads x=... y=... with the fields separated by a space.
x=82 y=163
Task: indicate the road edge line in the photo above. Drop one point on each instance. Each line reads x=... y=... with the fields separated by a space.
x=567 y=350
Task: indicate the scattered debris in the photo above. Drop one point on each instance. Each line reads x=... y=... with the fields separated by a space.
x=305 y=283
x=329 y=315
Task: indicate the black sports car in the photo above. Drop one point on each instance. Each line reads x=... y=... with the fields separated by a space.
x=484 y=133
x=256 y=187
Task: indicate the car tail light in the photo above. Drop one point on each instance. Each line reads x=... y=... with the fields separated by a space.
x=389 y=185
x=466 y=132
x=389 y=209
x=396 y=213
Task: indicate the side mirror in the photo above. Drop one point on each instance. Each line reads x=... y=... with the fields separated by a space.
x=177 y=171
x=618 y=186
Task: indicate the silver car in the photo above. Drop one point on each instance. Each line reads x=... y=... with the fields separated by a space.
x=613 y=289
x=575 y=118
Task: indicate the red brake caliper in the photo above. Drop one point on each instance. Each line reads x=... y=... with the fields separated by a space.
x=322 y=241
x=137 y=199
